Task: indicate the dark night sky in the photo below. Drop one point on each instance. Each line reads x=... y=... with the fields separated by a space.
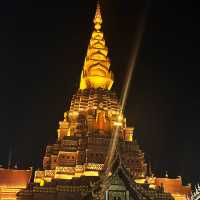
x=42 y=48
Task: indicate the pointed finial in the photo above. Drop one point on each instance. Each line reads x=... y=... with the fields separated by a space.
x=31 y=168
x=196 y=189
x=65 y=116
x=97 y=19
x=16 y=166
x=96 y=73
x=10 y=158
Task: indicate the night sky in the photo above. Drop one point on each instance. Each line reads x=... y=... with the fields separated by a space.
x=42 y=48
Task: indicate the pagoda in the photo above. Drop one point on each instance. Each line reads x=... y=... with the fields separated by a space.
x=73 y=167
x=85 y=132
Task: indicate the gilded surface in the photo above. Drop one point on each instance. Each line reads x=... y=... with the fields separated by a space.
x=95 y=73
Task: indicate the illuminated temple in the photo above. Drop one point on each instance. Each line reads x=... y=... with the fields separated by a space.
x=84 y=134
x=73 y=166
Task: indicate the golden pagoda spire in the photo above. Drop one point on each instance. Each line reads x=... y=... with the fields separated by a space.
x=95 y=73
x=97 y=19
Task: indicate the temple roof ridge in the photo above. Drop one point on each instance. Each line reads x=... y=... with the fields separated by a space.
x=118 y=170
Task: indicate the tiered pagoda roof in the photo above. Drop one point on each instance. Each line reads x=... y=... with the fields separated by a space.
x=95 y=73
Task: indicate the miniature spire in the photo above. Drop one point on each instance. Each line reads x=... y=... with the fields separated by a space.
x=166 y=174
x=65 y=116
x=9 y=158
x=16 y=166
x=95 y=73
x=97 y=19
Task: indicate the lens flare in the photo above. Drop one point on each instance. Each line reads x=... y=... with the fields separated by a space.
x=124 y=94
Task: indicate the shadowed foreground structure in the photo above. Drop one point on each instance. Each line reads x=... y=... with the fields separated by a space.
x=73 y=166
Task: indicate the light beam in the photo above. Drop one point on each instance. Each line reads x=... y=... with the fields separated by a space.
x=124 y=94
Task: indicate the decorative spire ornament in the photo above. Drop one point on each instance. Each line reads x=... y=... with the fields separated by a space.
x=95 y=73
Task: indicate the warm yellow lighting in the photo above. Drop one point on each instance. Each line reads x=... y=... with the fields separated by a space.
x=96 y=72
x=65 y=116
x=152 y=186
x=130 y=137
x=37 y=180
x=140 y=181
x=41 y=182
x=77 y=175
x=48 y=179
x=68 y=132
x=59 y=136
x=75 y=113
x=120 y=118
x=110 y=174
x=179 y=196
x=64 y=176
x=117 y=123
x=91 y=173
